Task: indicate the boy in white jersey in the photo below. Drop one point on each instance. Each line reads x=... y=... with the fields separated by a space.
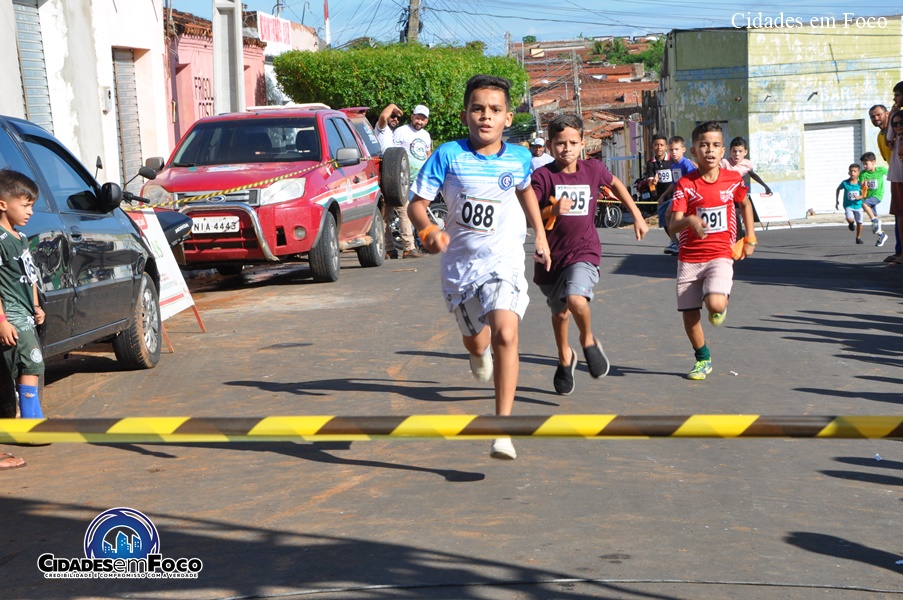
x=486 y=184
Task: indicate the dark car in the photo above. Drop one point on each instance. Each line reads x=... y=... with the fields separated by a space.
x=98 y=278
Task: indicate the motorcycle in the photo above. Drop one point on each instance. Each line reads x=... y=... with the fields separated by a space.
x=608 y=209
x=176 y=226
x=436 y=210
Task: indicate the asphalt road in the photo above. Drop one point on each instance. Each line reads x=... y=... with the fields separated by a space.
x=814 y=328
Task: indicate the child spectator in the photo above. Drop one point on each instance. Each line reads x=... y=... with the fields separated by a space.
x=852 y=201
x=567 y=192
x=660 y=176
x=705 y=221
x=483 y=179
x=19 y=308
x=737 y=161
x=871 y=179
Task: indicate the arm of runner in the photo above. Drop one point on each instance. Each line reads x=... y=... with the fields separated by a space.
x=434 y=239
x=680 y=221
x=746 y=213
x=530 y=206
x=754 y=176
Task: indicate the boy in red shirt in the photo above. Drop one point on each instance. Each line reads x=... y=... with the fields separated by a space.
x=705 y=222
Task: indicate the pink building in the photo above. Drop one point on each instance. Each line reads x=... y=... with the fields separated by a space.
x=189 y=91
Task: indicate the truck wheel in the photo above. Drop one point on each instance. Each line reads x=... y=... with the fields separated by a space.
x=375 y=254
x=324 y=257
x=395 y=177
x=138 y=346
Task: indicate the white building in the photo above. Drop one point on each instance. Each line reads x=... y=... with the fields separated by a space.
x=92 y=73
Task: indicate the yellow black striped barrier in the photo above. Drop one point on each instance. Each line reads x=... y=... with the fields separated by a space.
x=350 y=428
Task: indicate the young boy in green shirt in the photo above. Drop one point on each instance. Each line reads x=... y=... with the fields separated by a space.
x=871 y=178
x=19 y=308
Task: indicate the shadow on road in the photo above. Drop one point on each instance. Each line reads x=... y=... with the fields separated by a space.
x=837 y=547
x=252 y=562
x=315 y=452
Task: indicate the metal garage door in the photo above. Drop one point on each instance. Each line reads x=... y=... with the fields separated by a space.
x=127 y=123
x=829 y=150
x=35 y=92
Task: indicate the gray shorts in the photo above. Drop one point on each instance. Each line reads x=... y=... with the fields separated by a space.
x=470 y=309
x=853 y=214
x=25 y=358
x=577 y=279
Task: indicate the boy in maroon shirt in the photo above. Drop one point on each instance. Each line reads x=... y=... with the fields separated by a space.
x=705 y=222
x=567 y=190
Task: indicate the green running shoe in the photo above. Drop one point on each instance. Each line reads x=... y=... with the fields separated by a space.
x=717 y=319
x=700 y=370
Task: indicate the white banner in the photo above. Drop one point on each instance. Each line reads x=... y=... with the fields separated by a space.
x=769 y=207
x=173 y=292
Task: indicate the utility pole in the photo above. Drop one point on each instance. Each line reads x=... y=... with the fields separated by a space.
x=413 y=21
x=577 y=92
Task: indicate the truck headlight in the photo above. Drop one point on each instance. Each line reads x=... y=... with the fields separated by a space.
x=157 y=194
x=282 y=191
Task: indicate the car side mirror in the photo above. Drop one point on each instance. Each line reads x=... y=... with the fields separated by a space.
x=347 y=157
x=156 y=163
x=110 y=197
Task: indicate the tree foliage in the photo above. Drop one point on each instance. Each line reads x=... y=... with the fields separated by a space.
x=616 y=52
x=406 y=75
x=529 y=39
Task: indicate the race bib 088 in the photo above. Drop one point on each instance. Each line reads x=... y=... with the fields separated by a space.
x=478 y=214
x=580 y=195
x=714 y=219
x=873 y=184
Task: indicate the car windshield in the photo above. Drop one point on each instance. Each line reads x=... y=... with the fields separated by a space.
x=250 y=141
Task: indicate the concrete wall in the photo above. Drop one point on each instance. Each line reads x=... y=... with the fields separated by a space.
x=190 y=88
x=78 y=39
x=11 y=103
x=851 y=69
x=760 y=82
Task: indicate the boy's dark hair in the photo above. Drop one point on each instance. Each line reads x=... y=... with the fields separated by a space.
x=14 y=184
x=676 y=139
x=659 y=136
x=491 y=82
x=707 y=127
x=868 y=156
x=739 y=141
x=560 y=122
x=898 y=89
x=855 y=166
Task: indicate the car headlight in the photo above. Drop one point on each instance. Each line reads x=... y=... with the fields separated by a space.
x=157 y=194
x=282 y=191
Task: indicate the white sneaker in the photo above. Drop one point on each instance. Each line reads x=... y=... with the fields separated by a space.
x=481 y=366
x=882 y=237
x=503 y=448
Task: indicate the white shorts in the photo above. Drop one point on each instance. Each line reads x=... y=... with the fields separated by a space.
x=853 y=214
x=695 y=281
x=499 y=293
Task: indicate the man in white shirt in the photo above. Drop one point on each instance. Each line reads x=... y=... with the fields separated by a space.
x=386 y=124
x=419 y=145
x=538 y=150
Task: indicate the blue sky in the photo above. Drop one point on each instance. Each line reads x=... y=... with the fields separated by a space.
x=459 y=21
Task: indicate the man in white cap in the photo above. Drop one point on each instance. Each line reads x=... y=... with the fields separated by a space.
x=419 y=145
x=538 y=150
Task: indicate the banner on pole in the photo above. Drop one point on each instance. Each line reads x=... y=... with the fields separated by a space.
x=173 y=292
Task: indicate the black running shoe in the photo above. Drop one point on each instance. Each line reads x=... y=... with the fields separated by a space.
x=564 y=376
x=596 y=360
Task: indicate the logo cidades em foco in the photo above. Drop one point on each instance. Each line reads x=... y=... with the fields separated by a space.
x=120 y=543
